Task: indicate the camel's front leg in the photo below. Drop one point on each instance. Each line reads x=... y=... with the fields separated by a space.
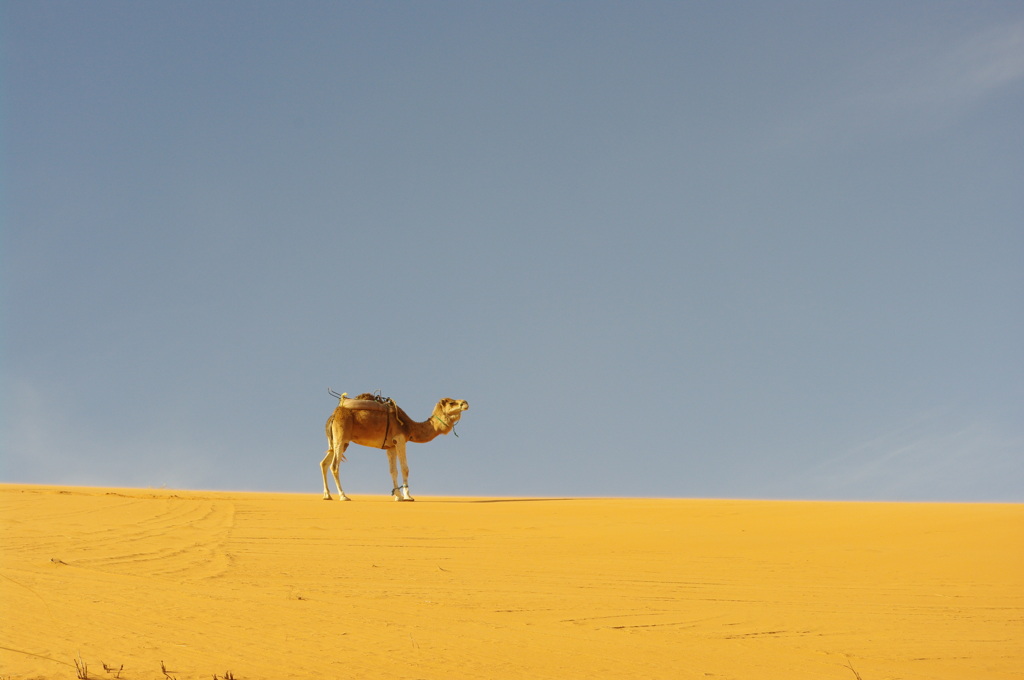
x=393 y=465
x=400 y=448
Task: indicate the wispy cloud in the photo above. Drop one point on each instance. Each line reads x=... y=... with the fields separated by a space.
x=950 y=81
x=935 y=456
x=987 y=62
x=917 y=88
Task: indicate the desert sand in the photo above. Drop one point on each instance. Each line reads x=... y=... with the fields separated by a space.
x=159 y=583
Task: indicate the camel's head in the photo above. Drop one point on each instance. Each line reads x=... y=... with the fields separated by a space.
x=451 y=410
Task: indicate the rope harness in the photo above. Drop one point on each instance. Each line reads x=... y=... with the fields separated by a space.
x=448 y=425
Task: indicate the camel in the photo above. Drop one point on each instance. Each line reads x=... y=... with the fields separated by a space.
x=379 y=423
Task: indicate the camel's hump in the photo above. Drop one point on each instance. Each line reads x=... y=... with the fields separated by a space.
x=364 y=405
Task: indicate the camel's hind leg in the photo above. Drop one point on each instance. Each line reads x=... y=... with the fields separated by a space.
x=339 y=456
x=324 y=464
x=335 y=454
x=332 y=460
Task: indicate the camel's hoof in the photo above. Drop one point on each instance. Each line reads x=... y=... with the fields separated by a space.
x=344 y=498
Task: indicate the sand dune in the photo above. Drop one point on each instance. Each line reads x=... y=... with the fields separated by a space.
x=289 y=586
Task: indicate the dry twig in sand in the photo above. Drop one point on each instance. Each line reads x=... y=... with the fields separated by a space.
x=167 y=673
x=81 y=668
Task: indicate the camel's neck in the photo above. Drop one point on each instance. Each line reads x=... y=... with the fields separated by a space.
x=429 y=429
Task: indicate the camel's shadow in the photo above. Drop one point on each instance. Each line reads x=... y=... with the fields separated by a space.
x=505 y=500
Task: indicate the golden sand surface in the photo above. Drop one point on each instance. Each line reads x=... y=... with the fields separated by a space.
x=277 y=586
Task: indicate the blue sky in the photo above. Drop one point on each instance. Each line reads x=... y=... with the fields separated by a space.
x=683 y=249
